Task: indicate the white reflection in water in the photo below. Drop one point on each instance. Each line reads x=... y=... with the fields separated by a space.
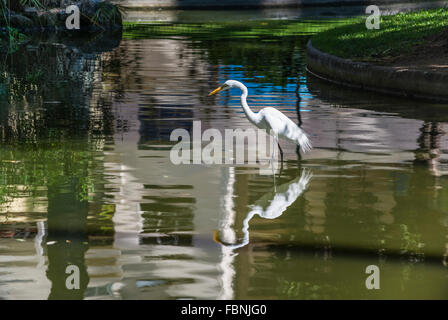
x=270 y=206
x=228 y=256
x=38 y=244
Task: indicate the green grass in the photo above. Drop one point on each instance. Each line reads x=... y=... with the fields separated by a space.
x=397 y=34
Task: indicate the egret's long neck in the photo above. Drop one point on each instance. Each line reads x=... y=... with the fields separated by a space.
x=249 y=114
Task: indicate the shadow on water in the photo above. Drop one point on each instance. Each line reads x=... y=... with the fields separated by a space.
x=340 y=96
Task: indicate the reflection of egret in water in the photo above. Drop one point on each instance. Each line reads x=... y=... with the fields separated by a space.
x=271 y=205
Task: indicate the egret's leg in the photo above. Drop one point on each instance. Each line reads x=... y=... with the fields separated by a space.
x=299 y=116
x=273 y=151
x=272 y=163
x=281 y=158
x=281 y=169
x=299 y=155
x=272 y=159
x=281 y=152
x=273 y=173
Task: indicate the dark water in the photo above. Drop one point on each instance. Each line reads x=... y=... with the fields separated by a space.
x=86 y=177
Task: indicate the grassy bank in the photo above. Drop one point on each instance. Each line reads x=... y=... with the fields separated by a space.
x=398 y=34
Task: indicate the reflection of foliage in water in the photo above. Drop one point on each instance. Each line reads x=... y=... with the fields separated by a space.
x=228 y=30
x=406 y=275
x=50 y=128
x=267 y=49
x=46 y=164
x=411 y=243
x=303 y=290
x=34 y=155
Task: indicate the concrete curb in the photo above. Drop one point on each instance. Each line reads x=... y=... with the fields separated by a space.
x=408 y=83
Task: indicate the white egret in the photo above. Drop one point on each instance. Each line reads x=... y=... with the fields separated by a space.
x=270 y=119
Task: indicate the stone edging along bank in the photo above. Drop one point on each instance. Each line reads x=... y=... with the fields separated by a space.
x=408 y=83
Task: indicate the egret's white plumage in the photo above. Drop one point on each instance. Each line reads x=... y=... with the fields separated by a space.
x=270 y=119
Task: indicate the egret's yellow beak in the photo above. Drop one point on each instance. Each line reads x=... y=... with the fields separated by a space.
x=215 y=91
x=216 y=233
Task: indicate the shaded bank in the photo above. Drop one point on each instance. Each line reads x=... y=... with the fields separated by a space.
x=32 y=16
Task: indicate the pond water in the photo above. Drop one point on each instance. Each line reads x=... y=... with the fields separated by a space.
x=86 y=177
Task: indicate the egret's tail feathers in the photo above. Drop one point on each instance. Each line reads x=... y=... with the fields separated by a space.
x=304 y=142
x=305 y=178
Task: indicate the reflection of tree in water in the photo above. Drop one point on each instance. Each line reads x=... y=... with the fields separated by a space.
x=53 y=124
x=420 y=193
x=67 y=227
